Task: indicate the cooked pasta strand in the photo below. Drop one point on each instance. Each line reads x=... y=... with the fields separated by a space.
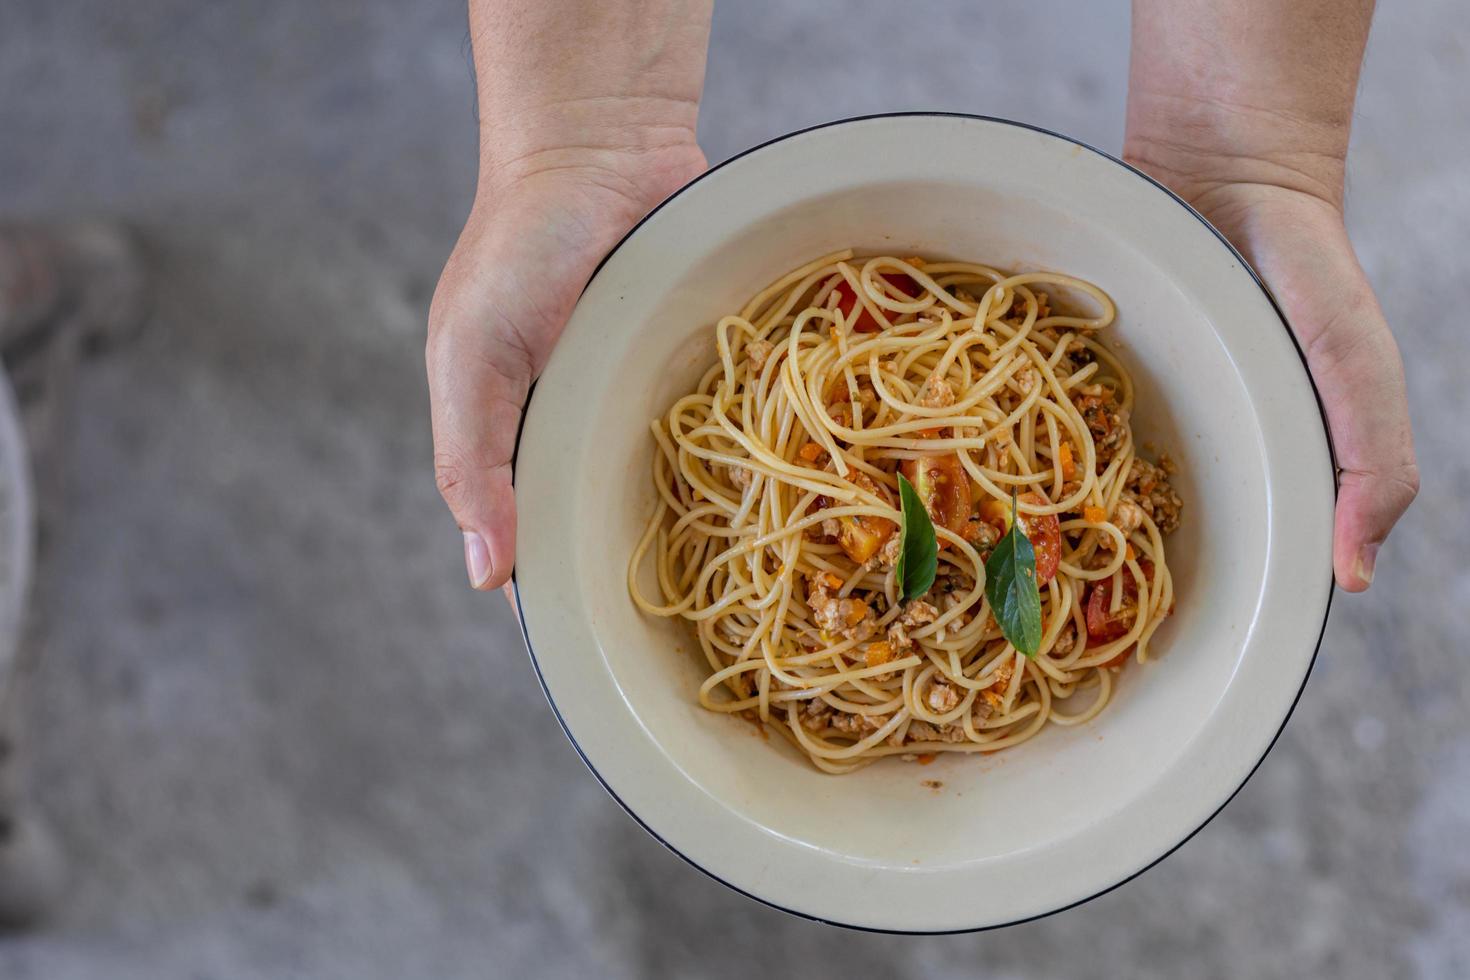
x=775 y=528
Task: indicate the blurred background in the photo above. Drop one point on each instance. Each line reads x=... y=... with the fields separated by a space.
x=276 y=734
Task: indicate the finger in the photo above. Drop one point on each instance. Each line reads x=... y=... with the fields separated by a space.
x=478 y=381
x=502 y=301
x=1360 y=376
x=475 y=401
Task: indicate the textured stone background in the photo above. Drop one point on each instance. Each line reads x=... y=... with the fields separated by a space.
x=280 y=737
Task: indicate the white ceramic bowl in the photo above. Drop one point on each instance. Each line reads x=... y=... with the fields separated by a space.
x=1073 y=812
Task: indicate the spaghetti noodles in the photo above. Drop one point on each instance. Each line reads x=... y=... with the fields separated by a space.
x=776 y=528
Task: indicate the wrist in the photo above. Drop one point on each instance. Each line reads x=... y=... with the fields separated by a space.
x=1198 y=146
x=635 y=148
x=1248 y=92
x=585 y=198
x=606 y=186
x=605 y=91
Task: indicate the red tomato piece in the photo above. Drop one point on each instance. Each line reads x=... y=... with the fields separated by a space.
x=944 y=486
x=1044 y=531
x=847 y=300
x=1104 y=625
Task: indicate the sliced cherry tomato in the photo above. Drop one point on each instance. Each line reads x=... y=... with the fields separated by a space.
x=847 y=300
x=1044 y=531
x=996 y=513
x=944 y=486
x=1104 y=625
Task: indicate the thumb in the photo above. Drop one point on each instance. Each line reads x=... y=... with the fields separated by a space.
x=503 y=299
x=1358 y=371
x=479 y=377
x=504 y=296
x=481 y=366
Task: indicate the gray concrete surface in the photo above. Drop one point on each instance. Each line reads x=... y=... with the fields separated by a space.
x=281 y=739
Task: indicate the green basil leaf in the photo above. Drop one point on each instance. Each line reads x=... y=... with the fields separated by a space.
x=918 y=551
x=1010 y=585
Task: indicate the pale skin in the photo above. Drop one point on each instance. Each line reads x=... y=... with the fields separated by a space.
x=588 y=111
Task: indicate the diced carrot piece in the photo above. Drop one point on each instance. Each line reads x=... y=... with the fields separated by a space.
x=1094 y=515
x=811 y=452
x=994 y=695
x=926 y=757
x=1064 y=456
x=878 y=653
x=1130 y=554
x=831 y=581
x=862 y=536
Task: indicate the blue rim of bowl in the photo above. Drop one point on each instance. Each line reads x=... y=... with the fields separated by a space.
x=1326 y=611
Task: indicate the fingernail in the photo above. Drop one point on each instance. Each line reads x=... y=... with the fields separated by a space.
x=477 y=559
x=1366 y=559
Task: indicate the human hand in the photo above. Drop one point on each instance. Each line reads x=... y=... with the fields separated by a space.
x=1299 y=245
x=506 y=292
x=587 y=119
x=1244 y=110
x=1288 y=222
